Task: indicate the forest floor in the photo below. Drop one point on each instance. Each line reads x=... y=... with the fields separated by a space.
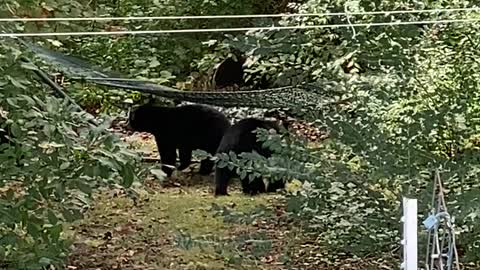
x=180 y=225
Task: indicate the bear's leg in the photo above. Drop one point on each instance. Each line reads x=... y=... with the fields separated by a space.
x=185 y=158
x=222 y=178
x=206 y=166
x=274 y=186
x=253 y=187
x=168 y=156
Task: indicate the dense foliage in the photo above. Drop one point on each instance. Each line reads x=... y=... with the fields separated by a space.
x=52 y=160
x=413 y=108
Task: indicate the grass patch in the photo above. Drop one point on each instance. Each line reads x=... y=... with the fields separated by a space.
x=190 y=212
x=145 y=234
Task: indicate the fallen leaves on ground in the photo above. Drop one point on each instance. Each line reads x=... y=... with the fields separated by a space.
x=172 y=226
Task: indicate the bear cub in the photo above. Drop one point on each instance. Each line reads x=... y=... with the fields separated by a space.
x=186 y=128
x=240 y=138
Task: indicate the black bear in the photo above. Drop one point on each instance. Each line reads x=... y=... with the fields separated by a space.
x=186 y=128
x=240 y=138
x=230 y=71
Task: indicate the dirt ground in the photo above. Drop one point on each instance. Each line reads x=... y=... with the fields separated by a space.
x=180 y=225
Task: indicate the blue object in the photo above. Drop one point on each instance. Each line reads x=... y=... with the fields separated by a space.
x=430 y=222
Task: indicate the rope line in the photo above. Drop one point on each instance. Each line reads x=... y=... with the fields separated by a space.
x=132 y=18
x=240 y=29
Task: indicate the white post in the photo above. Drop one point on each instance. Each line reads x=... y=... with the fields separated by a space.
x=409 y=241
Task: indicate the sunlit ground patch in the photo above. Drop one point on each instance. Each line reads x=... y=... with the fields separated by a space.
x=152 y=233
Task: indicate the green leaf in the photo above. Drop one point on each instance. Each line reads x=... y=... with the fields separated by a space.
x=12 y=102
x=33 y=230
x=154 y=63
x=128 y=176
x=84 y=186
x=243 y=174
x=64 y=165
x=29 y=66
x=60 y=189
x=294 y=205
x=56 y=232
x=16 y=83
x=15 y=130
x=9 y=239
x=71 y=215
x=45 y=261
x=52 y=218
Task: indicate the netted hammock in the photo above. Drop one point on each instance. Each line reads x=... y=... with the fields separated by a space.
x=307 y=96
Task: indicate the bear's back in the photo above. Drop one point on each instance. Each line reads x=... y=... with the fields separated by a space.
x=241 y=138
x=190 y=125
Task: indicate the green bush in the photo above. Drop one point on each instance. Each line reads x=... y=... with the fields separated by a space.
x=412 y=108
x=54 y=161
